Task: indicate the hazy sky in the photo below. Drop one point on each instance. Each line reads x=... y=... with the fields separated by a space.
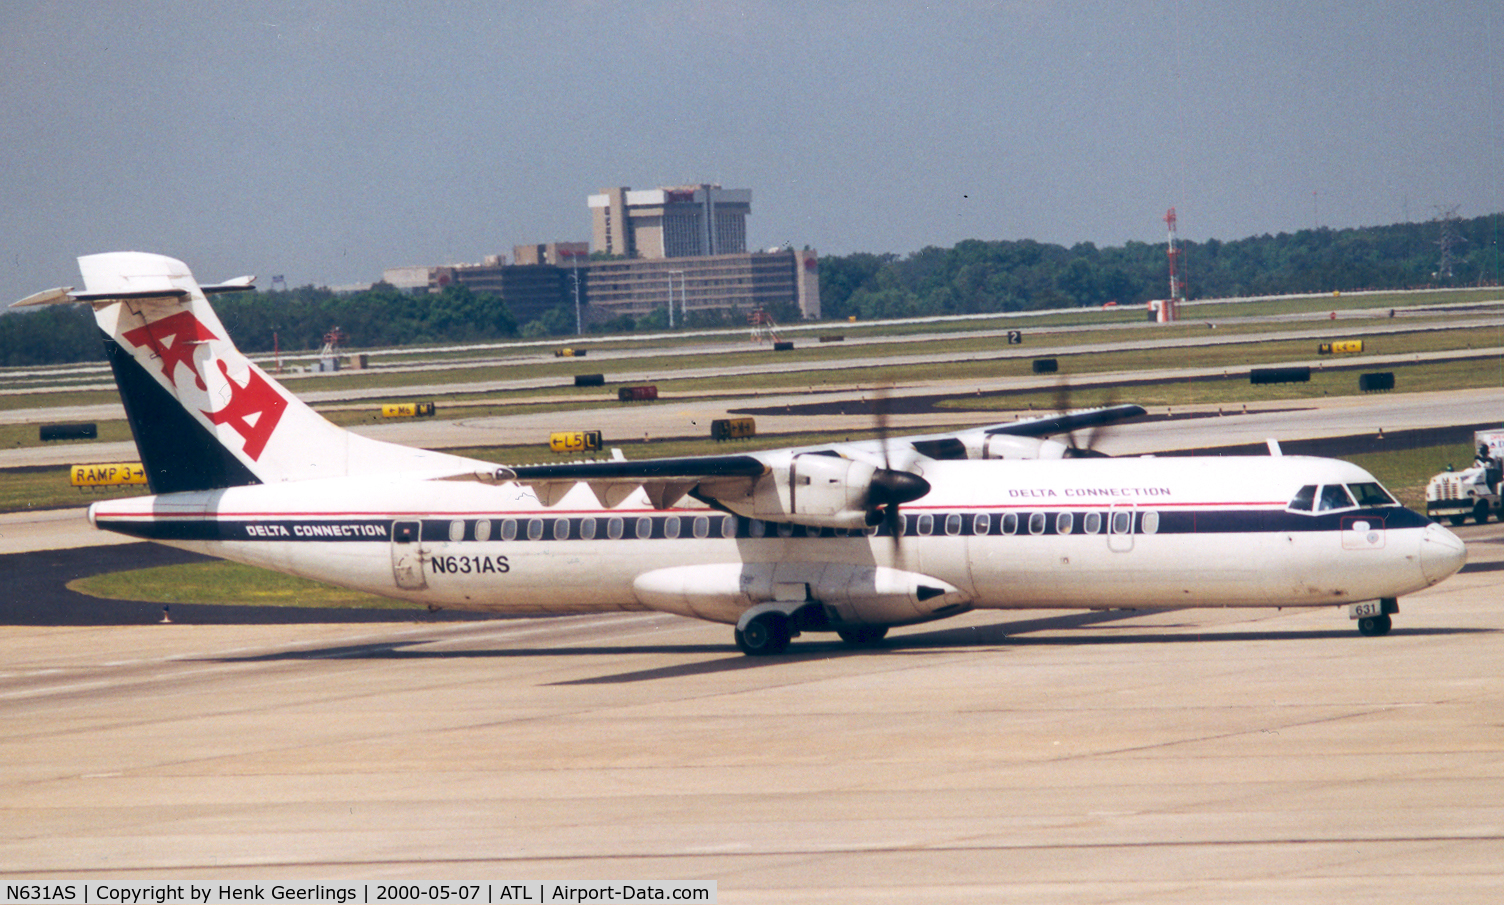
x=327 y=141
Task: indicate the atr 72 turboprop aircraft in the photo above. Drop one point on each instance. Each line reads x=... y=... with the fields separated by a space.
x=846 y=537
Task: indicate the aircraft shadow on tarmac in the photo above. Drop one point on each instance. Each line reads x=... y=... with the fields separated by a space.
x=1002 y=634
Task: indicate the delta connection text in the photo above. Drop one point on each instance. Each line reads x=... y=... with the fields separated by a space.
x=374 y=893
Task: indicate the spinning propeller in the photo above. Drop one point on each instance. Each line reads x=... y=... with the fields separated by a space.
x=1075 y=449
x=890 y=487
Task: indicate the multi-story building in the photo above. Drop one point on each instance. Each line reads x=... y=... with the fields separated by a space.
x=527 y=290
x=685 y=246
x=564 y=254
x=713 y=283
x=675 y=222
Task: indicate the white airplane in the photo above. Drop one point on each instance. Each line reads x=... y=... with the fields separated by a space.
x=846 y=537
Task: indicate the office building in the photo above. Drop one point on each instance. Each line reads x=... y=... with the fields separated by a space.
x=675 y=222
x=723 y=284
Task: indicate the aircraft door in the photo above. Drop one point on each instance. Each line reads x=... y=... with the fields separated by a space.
x=407 y=556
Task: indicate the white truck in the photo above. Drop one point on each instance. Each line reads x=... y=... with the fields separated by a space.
x=1475 y=491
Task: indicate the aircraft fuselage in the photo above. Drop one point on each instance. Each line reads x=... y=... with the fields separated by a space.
x=1106 y=533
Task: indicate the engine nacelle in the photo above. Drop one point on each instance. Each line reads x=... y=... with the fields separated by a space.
x=809 y=489
x=1007 y=446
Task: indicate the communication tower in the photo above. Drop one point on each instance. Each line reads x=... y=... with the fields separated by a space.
x=1167 y=310
x=1450 y=238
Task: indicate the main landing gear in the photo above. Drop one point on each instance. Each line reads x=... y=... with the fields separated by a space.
x=1373 y=626
x=765 y=634
x=770 y=631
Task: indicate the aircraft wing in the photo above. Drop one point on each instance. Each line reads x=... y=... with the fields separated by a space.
x=836 y=485
x=1069 y=421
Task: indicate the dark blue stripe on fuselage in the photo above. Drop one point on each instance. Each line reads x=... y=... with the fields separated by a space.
x=1010 y=523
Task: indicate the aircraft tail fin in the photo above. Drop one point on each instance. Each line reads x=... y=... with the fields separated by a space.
x=204 y=416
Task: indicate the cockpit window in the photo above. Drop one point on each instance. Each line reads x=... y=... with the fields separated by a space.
x=1304 y=498
x=1333 y=496
x=1371 y=495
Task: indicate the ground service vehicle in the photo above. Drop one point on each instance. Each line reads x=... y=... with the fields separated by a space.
x=1474 y=491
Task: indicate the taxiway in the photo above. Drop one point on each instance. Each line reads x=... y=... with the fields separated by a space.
x=1193 y=756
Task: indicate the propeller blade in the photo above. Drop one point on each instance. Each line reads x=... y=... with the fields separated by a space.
x=1077 y=449
x=890 y=489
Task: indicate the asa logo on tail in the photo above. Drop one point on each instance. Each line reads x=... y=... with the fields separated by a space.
x=253 y=409
x=173 y=340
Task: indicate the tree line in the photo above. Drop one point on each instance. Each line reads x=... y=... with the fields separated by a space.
x=972 y=277
x=980 y=277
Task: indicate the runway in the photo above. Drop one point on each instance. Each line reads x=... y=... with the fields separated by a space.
x=1189 y=756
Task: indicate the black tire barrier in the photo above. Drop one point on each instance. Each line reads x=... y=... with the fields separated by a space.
x=1046 y=366
x=1369 y=383
x=1279 y=375
x=782 y=347
x=590 y=380
x=69 y=432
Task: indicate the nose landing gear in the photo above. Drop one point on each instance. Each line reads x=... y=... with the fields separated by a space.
x=1373 y=616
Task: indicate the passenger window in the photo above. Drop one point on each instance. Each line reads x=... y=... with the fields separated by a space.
x=981 y=524
x=1037 y=523
x=1371 y=495
x=728 y=526
x=614 y=527
x=535 y=529
x=926 y=525
x=785 y=529
x=1333 y=496
x=702 y=526
x=483 y=529
x=457 y=530
x=587 y=528
x=1064 y=522
x=1092 y=524
x=509 y=529
x=1122 y=522
x=757 y=528
x=1010 y=523
x=953 y=524
x=644 y=528
x=1304 y=498
x=1149 y=524
x=671 y=527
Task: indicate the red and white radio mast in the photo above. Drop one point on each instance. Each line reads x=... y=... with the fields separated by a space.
x=1168 y=310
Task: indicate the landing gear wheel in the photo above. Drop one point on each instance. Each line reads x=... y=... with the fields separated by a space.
x=1374 y=626
x=864 y=634
x=765 y=635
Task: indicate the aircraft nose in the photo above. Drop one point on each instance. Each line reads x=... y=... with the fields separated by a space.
x=1441 y=553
